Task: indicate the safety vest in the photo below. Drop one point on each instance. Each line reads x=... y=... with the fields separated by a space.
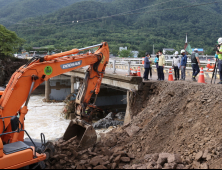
x=220 y=55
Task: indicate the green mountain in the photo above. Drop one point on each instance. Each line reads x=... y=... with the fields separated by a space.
x=163 y=24
x=14 y=11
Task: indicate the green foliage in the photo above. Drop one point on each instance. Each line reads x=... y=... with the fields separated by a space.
x=9 y=42
x=125 y=53
x=164 y=29
x=141 y=54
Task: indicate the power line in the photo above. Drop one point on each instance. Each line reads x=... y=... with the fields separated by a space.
x=127 y=13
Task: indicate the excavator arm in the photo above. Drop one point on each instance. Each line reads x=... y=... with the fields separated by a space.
x=26 y=79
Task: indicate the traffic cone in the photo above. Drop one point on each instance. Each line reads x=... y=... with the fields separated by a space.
x=138 y=72
x=170 y=78
x=134 y=72
x=143 y=60
x=201 y=76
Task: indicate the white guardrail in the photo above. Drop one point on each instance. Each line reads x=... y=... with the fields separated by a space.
x=137 y=62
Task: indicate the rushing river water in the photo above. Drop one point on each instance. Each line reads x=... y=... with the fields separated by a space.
x=47 y=118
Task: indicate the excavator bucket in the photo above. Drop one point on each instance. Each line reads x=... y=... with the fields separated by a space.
x=85 y=133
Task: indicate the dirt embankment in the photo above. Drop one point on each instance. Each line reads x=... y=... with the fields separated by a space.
x=180 y=119
x=7 y=67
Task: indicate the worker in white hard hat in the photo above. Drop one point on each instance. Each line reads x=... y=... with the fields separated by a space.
x=176 y=65
x=183 y=64
x=195 y=63
x=219 y=53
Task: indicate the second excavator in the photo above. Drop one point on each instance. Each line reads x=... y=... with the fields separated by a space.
x=14 y=151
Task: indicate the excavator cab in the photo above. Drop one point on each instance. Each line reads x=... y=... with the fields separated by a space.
x=11 y=151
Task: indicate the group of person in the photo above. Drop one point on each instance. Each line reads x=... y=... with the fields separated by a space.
x=178 y=63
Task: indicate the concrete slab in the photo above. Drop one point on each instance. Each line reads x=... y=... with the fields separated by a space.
x=117 y=80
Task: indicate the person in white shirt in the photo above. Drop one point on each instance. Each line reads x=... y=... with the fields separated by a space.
x=176 y=65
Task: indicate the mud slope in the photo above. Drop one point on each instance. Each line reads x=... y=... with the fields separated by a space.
x=180 y=117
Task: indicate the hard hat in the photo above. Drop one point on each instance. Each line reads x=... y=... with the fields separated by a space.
x=219 y=41
x=182 y=51
x=196 y=50
x=176 y=53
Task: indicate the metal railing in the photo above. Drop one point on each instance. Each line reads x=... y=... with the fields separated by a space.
x=137 y=62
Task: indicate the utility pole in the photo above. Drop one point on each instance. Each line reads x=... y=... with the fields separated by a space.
x=153 y=50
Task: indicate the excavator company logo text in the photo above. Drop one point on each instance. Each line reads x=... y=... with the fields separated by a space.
x=71 y=65
x=48 y=70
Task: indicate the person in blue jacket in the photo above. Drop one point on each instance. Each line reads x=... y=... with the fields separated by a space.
x=183 y=64
x=146 y=67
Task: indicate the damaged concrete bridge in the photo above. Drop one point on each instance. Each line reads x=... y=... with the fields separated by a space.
x=115 y=94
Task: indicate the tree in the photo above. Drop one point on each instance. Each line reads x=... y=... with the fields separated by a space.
x=125 y=53
x=9 y=42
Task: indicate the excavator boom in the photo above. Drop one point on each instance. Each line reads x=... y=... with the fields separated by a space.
x=14 y=101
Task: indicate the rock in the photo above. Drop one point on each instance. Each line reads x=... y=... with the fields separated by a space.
x=100 y=167
x=209 y=157
x=190 y=120
x=170 y=166
x=159 y=167
x=205 y=154
x=107 y=122
x=148 y=156
x=125 y=159
x=131 y=131
x=96 y=160
x=117 y=159
x=109 y=140
x=162 y=161
x=106 y=163
x=150 y=165
x=174 y=158
x=204 y=166
x=113 y=166
x=79 y=167
x=180 y=166
x=120 y=115
x=82 y=162
x=196 y=165
x=127 y=167
x=62 y=162
x=106 y=151
x=135 y=166
x=75 y=154
x=142 y=167
x=155 y=157
x=110 y=116
x=199 y=155
x=130 y=155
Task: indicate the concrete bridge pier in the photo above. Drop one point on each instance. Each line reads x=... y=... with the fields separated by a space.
x=73 y=81
x=47 y=90
x=128 y=116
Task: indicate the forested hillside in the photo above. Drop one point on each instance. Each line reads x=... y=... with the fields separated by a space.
x=14 y=11
x=157 y=22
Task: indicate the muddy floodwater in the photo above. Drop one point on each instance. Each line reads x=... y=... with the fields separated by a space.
x=47 y=118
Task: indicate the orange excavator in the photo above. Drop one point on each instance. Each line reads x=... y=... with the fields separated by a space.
x=14 y=151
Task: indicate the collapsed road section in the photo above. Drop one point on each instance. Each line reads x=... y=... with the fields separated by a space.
x=173 y=125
